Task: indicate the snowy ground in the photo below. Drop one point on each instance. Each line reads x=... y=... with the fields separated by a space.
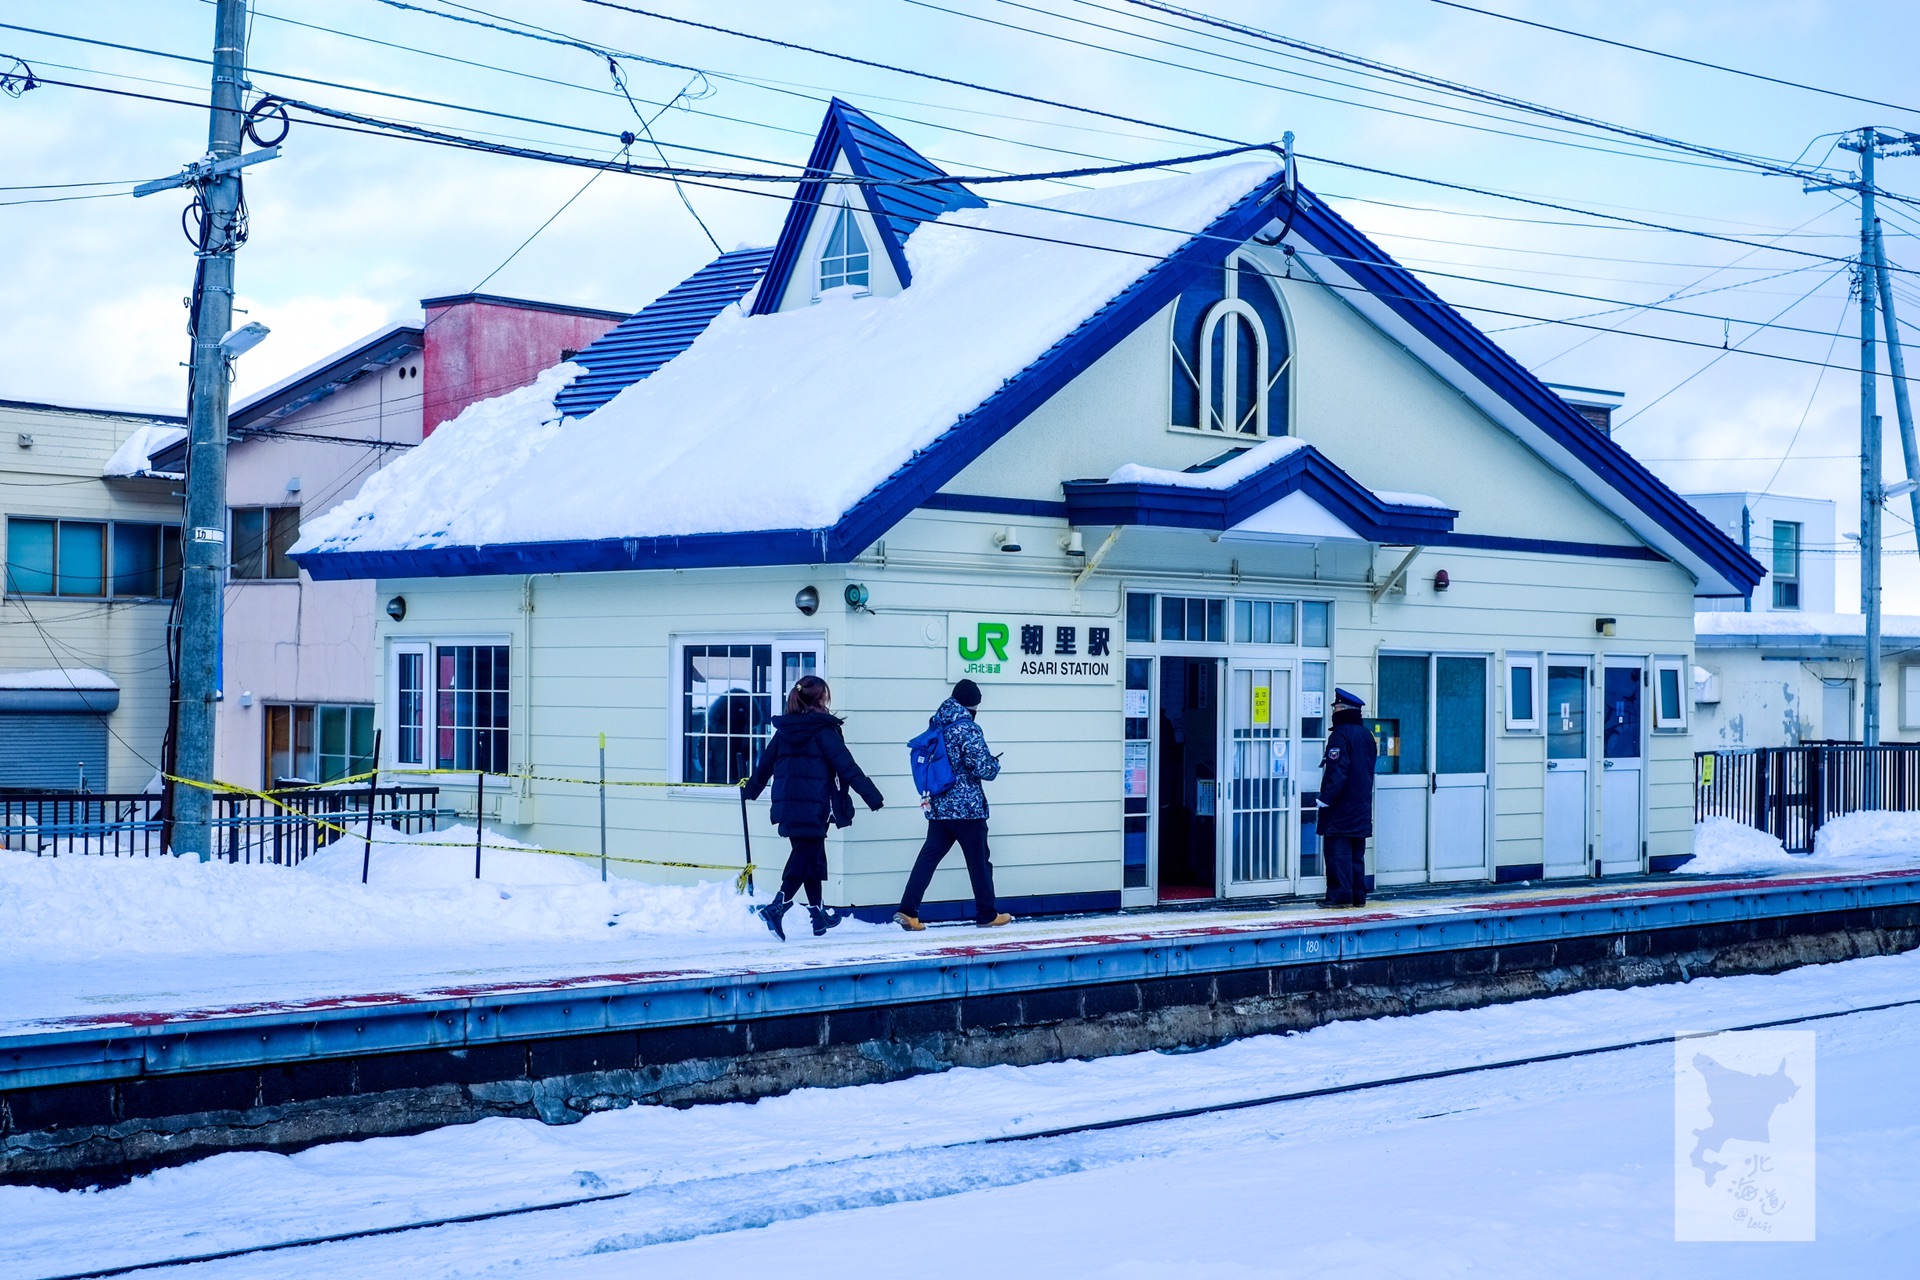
x=1561 y=1169
x=88 y=937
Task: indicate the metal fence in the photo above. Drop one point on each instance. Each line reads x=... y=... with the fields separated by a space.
x=246 y=828
x=1790 y=792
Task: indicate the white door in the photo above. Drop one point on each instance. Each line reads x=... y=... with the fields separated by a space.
x=1457 y=827
x=1569 y=809
x=1261 y=768
x=1402 y=786
x=1622 y=766
x=1836 y=710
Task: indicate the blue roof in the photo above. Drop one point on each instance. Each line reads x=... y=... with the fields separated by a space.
x=871 y=152
x=1304 y=470
x=659 y=331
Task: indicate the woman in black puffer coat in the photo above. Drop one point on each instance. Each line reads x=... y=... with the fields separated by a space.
x=808 y=762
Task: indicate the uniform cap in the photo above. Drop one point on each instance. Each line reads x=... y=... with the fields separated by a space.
x=1341 y=698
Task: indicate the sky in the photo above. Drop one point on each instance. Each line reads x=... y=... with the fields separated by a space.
x=350 y=231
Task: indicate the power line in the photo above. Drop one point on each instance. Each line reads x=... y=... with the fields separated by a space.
x=1818 y=378
x=1673 y=57
x=1259 y=84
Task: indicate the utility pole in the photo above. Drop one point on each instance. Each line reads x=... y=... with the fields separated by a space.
x=1872 y=143
x=204 y=546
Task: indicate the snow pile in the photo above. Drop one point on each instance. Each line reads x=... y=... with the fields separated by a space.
x=135 y=456
x=1876 y=837
x=1790 y=624
x=1723 y=847
x=59 y=678
x=421 y=893
x=1873 y=841
x=784 y=421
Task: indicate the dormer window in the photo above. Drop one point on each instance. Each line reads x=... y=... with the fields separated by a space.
x=1231 y=356
x=844 y=260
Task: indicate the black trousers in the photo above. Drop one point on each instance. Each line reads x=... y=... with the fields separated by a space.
x=942 y=834
x=1346 y=858
x=806 y=865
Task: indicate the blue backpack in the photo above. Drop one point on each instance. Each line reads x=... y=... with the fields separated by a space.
x=932 y=771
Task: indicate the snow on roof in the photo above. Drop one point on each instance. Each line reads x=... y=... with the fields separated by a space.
x=1224 y=476
x=1790 y=625
x=1398 y=498
x=785 y=421
x=135 y=456
x=58 y=678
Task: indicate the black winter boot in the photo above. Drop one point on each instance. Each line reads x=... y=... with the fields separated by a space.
x=774 y=911
x=824 y=918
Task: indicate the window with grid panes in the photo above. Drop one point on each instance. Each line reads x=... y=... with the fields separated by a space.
x=470 y=706
x=261 y=538
x=92 y=558
x=727 y=707
x=1193 y=618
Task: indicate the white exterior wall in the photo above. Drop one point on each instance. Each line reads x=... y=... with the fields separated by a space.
x=1776 y=695
x=294 y=640
x=1818 y=540
x=59 y=478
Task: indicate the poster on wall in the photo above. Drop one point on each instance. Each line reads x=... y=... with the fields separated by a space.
x=1012 y=648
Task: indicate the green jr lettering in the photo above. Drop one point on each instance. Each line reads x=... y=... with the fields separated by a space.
x=992 y=634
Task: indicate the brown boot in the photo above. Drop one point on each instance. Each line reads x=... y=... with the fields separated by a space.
x=997 y=921
x=910 y=923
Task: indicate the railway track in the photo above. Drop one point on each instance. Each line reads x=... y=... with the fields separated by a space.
x=1035 y=1135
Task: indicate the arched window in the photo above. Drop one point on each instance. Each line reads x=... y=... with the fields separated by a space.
x=1230 y=355
x=844 y=260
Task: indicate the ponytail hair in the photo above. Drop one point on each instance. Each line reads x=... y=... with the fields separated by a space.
x=809 y=693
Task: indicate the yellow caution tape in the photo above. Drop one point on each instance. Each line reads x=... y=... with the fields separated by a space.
x=579 y=782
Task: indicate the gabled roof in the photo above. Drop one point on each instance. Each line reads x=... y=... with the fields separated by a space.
x=873 y=153
x=324 y=377
x=757 y=445
x=660 y=330
x=760 y=445
x=1250 y=484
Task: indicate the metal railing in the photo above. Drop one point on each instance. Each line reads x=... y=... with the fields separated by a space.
x=1791 y=792
x=247 y=828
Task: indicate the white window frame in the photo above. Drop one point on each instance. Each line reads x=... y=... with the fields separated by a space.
x=1232 y=304
x=1532 y=664
x=1796 y=579
x=781 y=642
x=1910 y=695
x=430 y=647
x=837 y=208
x=1683 y=681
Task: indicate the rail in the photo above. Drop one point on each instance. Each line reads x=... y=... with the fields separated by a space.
x=283 y=831
x=1791 y=792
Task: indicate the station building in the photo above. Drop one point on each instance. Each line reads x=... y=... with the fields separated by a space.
x=1158 y=465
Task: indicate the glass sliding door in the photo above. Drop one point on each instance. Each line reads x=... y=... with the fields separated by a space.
x=1261 y=791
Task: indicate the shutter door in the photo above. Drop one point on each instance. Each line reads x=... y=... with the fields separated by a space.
x=45 y=751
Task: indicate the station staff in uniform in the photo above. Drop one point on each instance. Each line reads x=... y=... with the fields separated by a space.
x=1346 y=803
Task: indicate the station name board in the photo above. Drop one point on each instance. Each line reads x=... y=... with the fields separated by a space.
x=1027 y=649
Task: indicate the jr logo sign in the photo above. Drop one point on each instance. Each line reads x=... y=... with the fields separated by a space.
x=986 y=636
x=1031 y=650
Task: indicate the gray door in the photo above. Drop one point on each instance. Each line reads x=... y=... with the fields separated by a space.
x=1623 y=766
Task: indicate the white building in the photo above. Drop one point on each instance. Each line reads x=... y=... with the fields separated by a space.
x=1159 y=465
x=1793 y=538
x=92 y=558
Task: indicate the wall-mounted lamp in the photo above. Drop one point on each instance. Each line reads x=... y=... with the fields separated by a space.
x=397 y=608
x=806 y=600
x=856 y=597
x=1440 y=580
x=1603 y=626
x=246 y=698
x=1073 y=545
x=1007 y=539
x=293 y=484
